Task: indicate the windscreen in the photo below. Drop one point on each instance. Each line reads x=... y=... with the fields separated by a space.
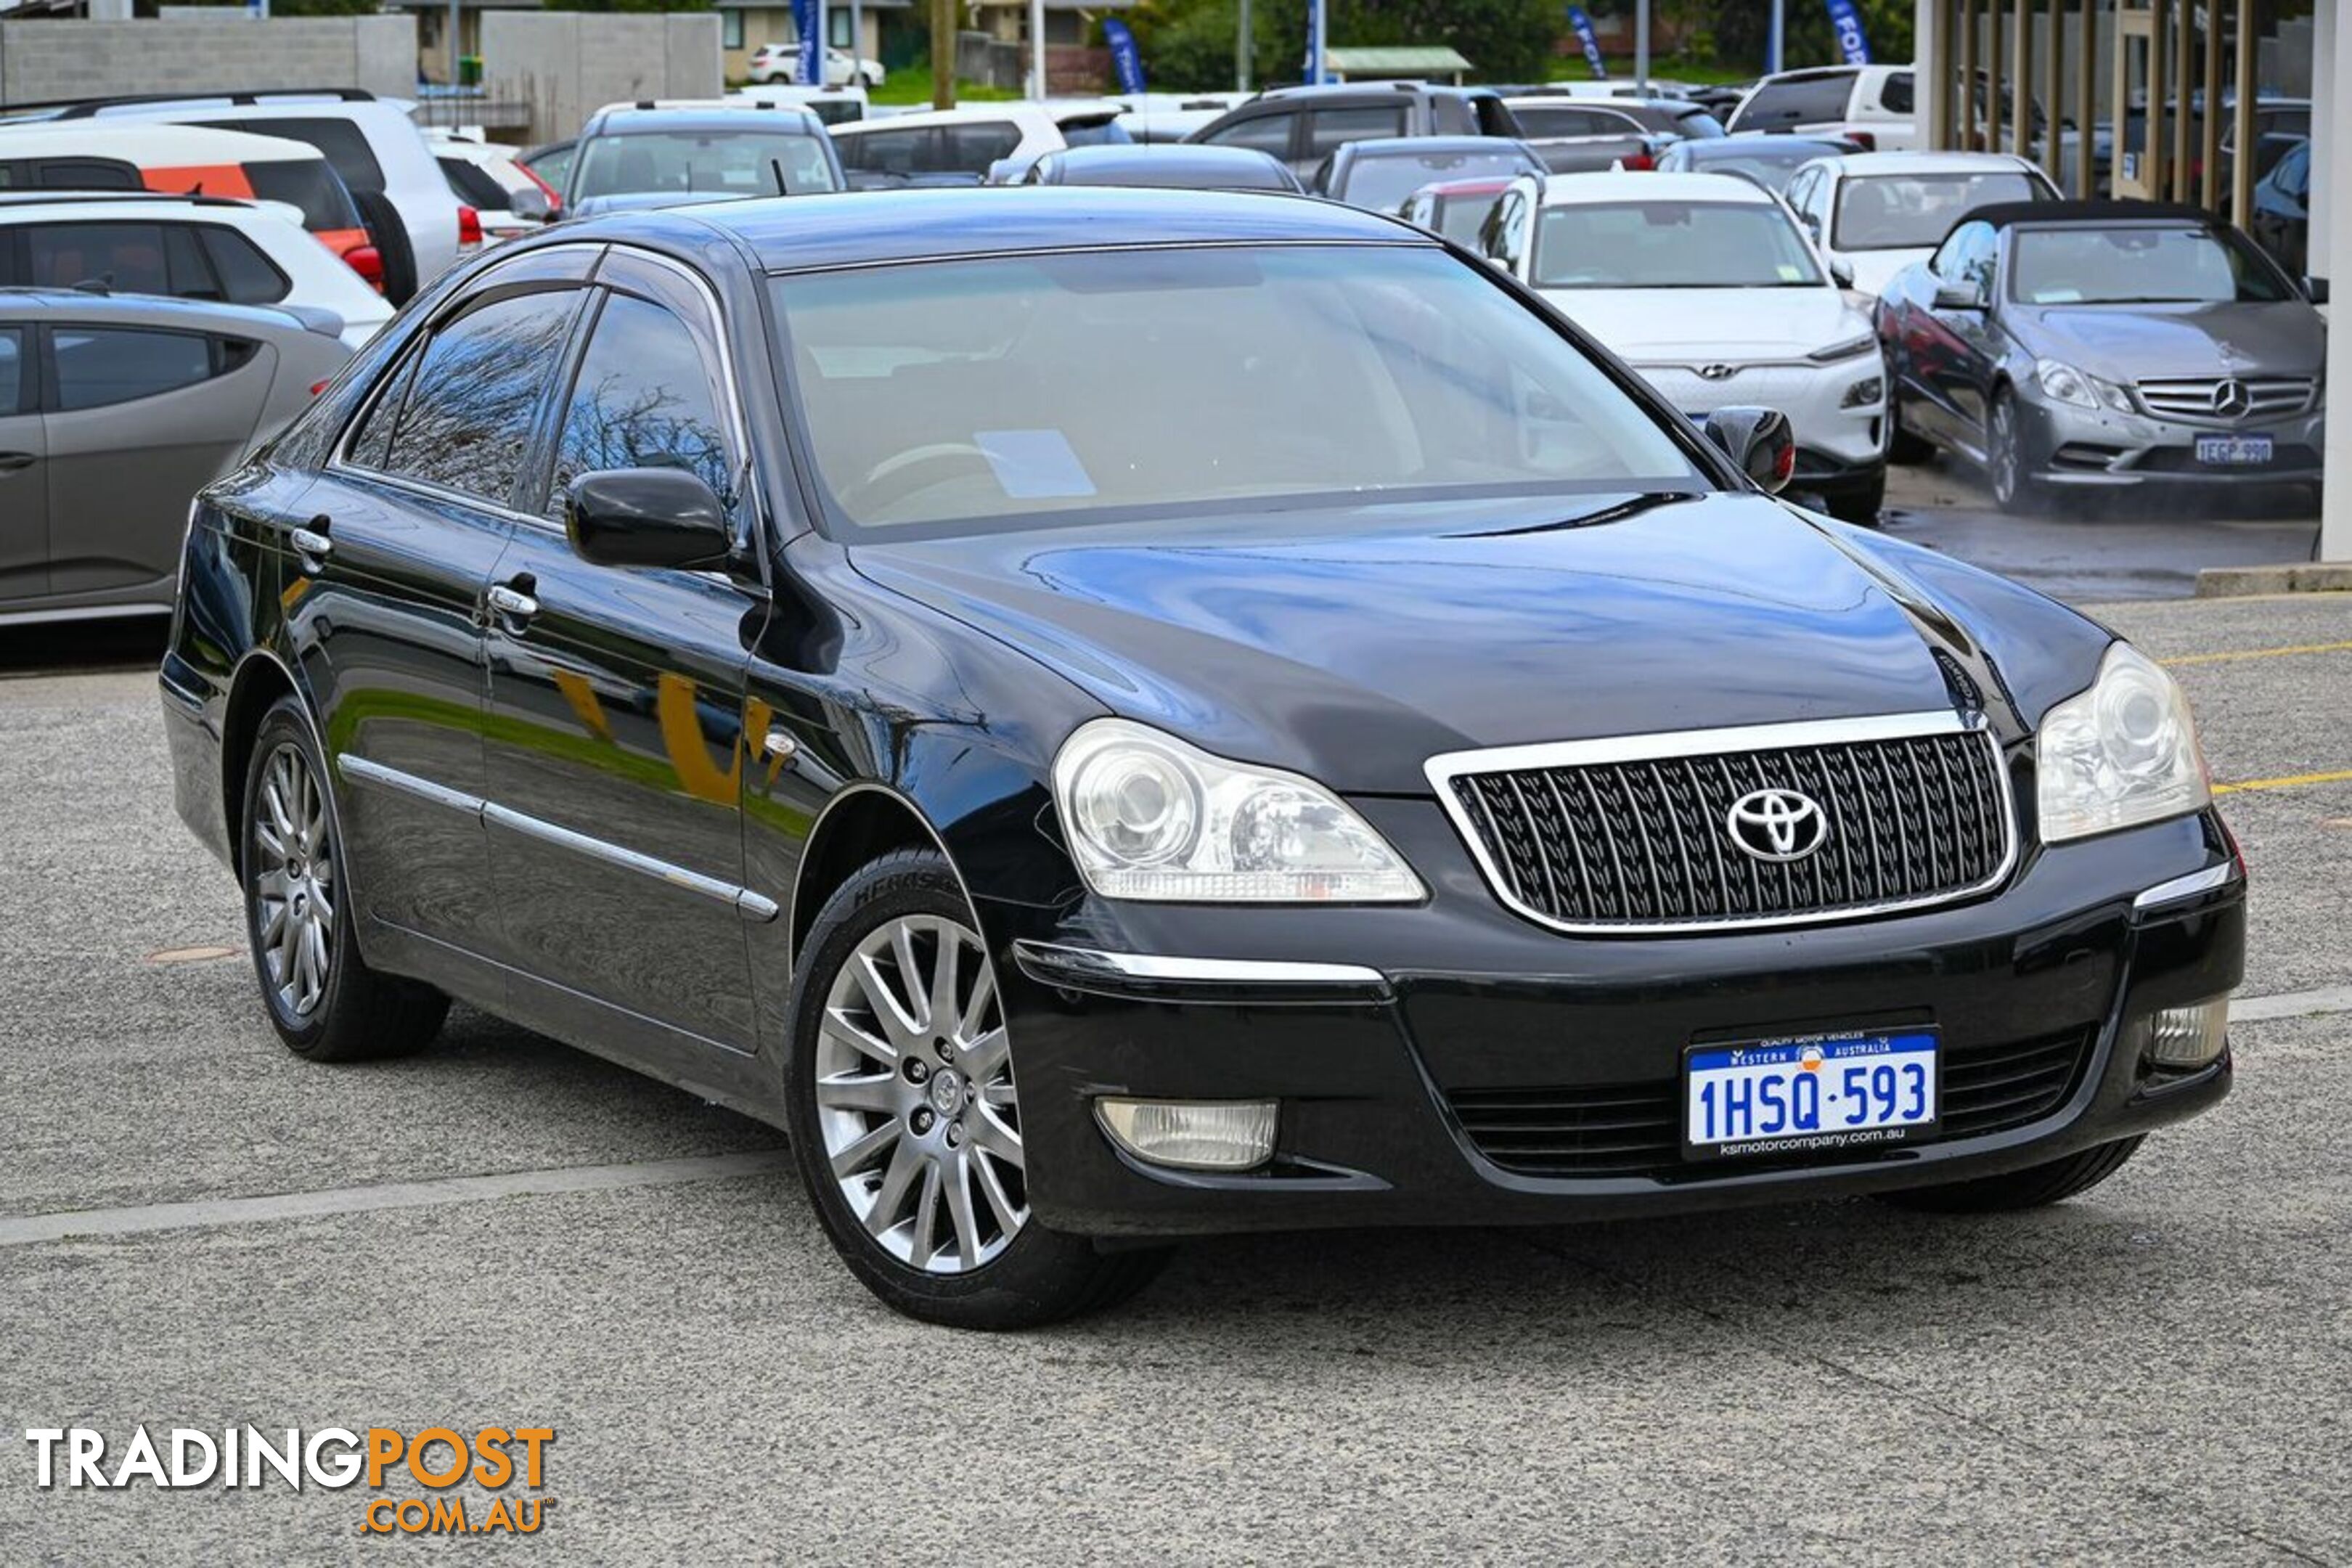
x=722 y=163
x=1096 y=132
x=1671 y=244
x=1101 y=386
x=1462 y=219
x=2137 y=265
x=1770 y=164
x=309 y=183
x=1914 y=212
x=1385 y=183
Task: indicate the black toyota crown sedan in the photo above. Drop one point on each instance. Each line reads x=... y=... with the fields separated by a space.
x=1109 y=715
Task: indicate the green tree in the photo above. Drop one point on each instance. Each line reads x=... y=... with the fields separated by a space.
x=1188 y=45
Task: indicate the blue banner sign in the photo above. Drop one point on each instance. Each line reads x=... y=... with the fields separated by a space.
x=1125 y=59
x=1846 y=23
x=1315 y=23
x=808 y=16
x=1582 y=25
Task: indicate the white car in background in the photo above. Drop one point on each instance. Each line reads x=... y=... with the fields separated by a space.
x=1874 y=105
x=1708 y=288
x=489 y=178
x=189 y=248
x=835 y=105
x=1880 y=212
x=782 y=63
x=974 y=142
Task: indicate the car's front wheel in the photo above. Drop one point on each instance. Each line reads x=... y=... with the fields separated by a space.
x=2033 y=1187
x=2013 y=485
x=905 y=1113
x=323 y=999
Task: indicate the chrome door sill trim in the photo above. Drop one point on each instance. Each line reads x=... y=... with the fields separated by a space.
x=1159 y=976
x=2172 y=892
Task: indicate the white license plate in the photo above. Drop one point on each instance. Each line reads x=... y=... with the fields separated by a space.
x=2229 y=449
x=1809 y=1093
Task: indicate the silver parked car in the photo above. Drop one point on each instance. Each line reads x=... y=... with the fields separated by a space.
x=2102 y=345
x=114 y=411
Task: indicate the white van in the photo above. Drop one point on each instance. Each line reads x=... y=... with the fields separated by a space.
x=1870 y=104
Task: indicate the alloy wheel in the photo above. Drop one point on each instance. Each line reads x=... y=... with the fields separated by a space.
x=2004 y=453
x=293 y=883
x=915 y=1099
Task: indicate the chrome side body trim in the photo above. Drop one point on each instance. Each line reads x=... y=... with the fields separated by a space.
x=1166 y=975
x=2206 y=882
x=1442 y=770
x=749 y=905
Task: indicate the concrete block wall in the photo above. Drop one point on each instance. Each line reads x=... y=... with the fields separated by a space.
x=568 y=64
x=68 y=59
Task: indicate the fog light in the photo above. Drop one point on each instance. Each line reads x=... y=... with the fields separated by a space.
x=1193 y=1135
x=2181 y=1038
x=1864 y=394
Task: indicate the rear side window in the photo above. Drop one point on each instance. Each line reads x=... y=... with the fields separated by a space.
x=97 y=366
x=1095 y=133
x=643 y=399
x=1805 y=100
x=467 y=423
x=124 y=257
x=70 y=174
x=371 y=444
x=15 y=384
x=309 y=184
x=1330 y=129
x=971 y=149
x=343 y=142
x=246 y=276
x=1267 y=132
x=471 y=184
x=886 y=152
x=1896 y=97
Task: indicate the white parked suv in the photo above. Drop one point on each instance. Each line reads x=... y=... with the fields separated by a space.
x=188 y=247
x=1879 y=212
x=1870 y=104
x=975 y=142
x=782 y=63
x=1707 y=286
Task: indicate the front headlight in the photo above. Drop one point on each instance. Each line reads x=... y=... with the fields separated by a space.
x=2121 y=753
x=1846 y=350
x=2064 y=384
x=1152 y=818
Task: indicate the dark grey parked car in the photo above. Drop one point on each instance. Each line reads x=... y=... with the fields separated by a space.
x=1304 y=125
x=114 y=411
x=1381 y=175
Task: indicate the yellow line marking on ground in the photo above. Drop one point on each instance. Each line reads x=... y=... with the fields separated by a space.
x=2291 y=781
x=2235 y=654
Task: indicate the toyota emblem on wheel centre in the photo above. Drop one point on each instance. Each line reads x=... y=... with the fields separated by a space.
x=1777 y=824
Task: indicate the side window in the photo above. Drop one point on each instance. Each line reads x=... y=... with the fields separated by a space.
x=1800 y=193
x=473 y=185
x=1950 y=263
x=16 y=386
x=1799 y=101
x=127 y=258
x=467 y=424
x=1267 y=132
x=971 y=149
x=643 y=399
x=1451 y=117
x=1895 y=98
x=84 y=175
x=371 y=442
x=246 y=276
x=97 y=366
x=1330 y=129
x=886 y=152
x=1501 y=236
x=343 y=142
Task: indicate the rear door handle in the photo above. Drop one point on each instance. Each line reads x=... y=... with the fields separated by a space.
x=12 y=461
x=311 y=545
x=511 y=604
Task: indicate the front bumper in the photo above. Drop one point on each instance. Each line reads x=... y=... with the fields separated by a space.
x=1831 y=436
x=1389 y=1035
x=2101 y=448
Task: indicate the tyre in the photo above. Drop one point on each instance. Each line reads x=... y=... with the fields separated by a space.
x=389 y=234
x=1861 y=504
x=2028 y=1189
x=904 y=1118
x=1902 y=446
x=323 y=998
x=2006 y=463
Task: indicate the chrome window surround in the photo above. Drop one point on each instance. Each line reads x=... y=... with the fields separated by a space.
x=1443 y=769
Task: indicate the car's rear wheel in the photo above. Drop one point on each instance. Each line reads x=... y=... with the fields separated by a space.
x=2031 y=1188
x=905 y=1113
x=323 y=999
x=395 y=253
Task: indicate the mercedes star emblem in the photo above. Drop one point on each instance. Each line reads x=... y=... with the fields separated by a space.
x=1777 y=824
x=2232 y=399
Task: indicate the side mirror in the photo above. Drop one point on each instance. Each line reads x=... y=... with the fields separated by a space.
x=2315 y=290
x=1759 y=440
x=1842 y=272
x=1959 y=297
x=530 y=203
x=646 y=517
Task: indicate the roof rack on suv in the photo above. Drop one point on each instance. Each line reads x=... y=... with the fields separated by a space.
x=44 y=197
x=86 y=107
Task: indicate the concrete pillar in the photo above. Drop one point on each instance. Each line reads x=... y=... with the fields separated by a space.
x=1930 y=63
x=2335 y=507
x=2322 y=133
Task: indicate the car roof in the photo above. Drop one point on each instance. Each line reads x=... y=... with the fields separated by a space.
x=1207 y=160
x=807 y=233
x=787 y=116
x=1749 y=144
x=1570 y=190
x=1034 y=115
x=1932 y=163
x=142 y=201
x=1366 y=89
x=1428 y=146
x=149 y=142
x=155 y=310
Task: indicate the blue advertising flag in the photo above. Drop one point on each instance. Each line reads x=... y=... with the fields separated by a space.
x=808 y=16
x=1582 y=25
x=1846 y=23
x=1314 y=74
x=1124 y=57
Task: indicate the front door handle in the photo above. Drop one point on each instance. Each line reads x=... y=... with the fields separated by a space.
x=510 y=604
x=12 y=461
x=311 y=545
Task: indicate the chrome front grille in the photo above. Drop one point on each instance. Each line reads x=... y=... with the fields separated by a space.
x=1637 y=835
x=2226 y=400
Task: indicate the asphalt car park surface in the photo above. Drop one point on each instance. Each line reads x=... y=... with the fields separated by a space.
x=2159 y=1370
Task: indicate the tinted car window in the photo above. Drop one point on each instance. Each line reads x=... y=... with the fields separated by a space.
x=1095 y=133
x=1900 y=212
x=1896 y=97
x=887 y=151
x=470 y=184
x=467 y=419
x=1267 y=132
x=343 y=142
x=127 y=258
x=553 y=163
x=1568 y=120
x=371 y=442
x=723 y=163
x=97 y=366
x=1329 y=129
x=1383 y=184
x=643 y=399
x=1799 y=102
x=246 y=276
x=2140 y=264
x=83 y=174
x=971 y=149
x=309 y=184
x=13 y=379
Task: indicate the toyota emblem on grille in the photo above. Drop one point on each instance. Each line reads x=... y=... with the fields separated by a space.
x=2232 y=399
x=1717 y=372
x=1777 y=824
